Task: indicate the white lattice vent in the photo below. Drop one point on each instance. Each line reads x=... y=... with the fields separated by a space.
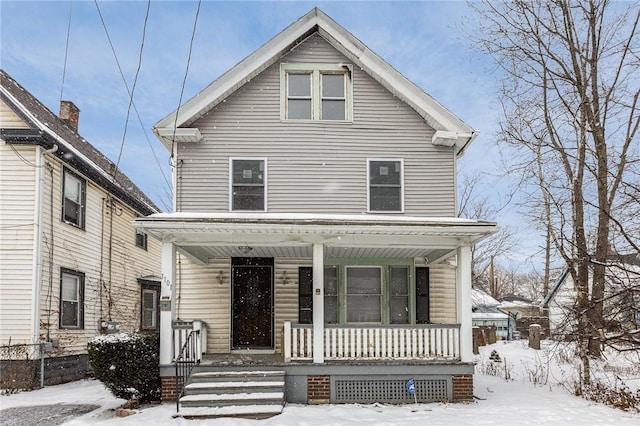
x=388 y=390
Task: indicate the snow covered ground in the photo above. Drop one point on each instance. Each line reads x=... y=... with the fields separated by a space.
x=517 y=401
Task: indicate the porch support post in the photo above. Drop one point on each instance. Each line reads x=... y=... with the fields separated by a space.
x=167 y=302
x=318 y=303
x=463 y=303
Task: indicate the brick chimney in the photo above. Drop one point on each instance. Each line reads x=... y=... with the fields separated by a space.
x=70 y=113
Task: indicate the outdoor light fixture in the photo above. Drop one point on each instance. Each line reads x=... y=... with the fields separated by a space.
x=285 y=278
x=245 y=249
x=221 y=277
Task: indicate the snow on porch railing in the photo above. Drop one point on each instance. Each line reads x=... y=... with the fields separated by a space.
x=429 y=341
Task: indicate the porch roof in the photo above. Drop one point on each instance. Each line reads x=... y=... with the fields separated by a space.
x=204 y=236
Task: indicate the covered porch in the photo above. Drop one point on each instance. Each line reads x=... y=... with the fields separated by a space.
x=353 y=246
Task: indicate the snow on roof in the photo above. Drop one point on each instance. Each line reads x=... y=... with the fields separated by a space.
x=480 y=298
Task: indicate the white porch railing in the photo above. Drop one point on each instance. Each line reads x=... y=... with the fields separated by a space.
x=375 y=342
x=181 y=332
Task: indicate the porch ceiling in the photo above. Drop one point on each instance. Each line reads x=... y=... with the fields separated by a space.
x=222 y=235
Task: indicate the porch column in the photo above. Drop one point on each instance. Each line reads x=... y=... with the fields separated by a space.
x=318 y=303
x=463 y=303
x=167 y=302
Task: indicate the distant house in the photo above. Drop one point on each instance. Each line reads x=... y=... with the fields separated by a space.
x=71 y=263
x=487 y=313
x=524 y=312
x=315 y=231
x=621 y=301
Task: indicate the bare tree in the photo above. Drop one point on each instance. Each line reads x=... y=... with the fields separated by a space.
x=570 y=97
x=473 y=205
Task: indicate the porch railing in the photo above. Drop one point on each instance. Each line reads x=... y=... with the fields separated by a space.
x=375 y=342
x=189 y=338
x=189 y=356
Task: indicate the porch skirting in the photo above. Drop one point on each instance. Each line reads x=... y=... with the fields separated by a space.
x=357 y=383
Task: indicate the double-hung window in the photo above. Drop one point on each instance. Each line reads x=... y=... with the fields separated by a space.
x=73 y=200
x=386 y=185
x=316 y=92
x=248 y=184
x=149 y=314
x=71 y=299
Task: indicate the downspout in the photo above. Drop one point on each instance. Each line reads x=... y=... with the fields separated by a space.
x=37 y=240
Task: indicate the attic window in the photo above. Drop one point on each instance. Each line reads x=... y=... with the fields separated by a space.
x=316 y=92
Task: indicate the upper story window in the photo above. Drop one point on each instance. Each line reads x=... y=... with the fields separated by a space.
x=73 y=199
x=248 y=184
x=316 y=92
x=141 y=239
x=386 y=185
x=71 y=299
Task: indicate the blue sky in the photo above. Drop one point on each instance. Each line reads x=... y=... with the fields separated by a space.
x=423 y=40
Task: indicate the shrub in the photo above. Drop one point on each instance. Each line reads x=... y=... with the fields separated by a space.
x=127 y=364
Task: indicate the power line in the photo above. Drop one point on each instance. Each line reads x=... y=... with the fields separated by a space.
x=129 y=92
x=66 y=51
x=184 y=81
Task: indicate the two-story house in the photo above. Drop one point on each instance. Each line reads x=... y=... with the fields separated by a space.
x=71 y=264
x=315 y=228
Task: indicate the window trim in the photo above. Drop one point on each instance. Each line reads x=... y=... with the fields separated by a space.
x=385 y=264
x=264 y=182
x=401 y=161
x=316 y=70
x=80 y=293
x=83 y=198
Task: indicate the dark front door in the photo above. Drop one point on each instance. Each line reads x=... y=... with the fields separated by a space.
x=252 y=322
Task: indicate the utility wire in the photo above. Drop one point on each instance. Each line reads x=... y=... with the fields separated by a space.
x=66 y=51
x=186 y=72
x=129 y=92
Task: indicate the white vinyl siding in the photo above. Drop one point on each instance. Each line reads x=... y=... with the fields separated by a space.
x=315 y=166
x=442 y=293
x=17 y=235
x=105 y=252
x=9 y=119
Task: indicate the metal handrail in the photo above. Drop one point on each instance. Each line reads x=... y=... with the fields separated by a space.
x=185 y=361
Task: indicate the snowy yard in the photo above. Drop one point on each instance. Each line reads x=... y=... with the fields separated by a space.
x=500 y=402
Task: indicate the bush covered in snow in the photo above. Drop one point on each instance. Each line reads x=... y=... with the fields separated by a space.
x=127 y=364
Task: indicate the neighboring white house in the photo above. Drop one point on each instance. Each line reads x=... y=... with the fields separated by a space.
x=315 y=221
x=621 y=305
x=71 y=263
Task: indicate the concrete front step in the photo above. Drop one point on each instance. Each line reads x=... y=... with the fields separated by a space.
x=248 y=394
x=225 y=399
x=243 y=411
x=236 y=376
x=233 y=387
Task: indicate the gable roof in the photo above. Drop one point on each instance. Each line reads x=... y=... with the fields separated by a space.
x=48 y=130
x=450 y=130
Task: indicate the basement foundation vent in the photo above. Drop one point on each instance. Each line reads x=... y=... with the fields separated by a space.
x=388 y=390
